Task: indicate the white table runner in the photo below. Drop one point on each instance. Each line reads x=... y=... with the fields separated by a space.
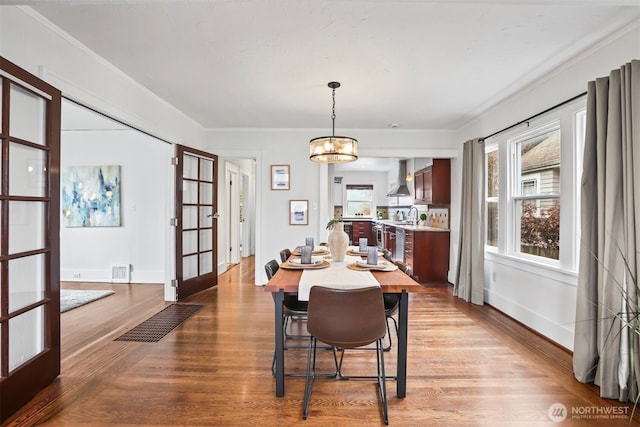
x=336 y=276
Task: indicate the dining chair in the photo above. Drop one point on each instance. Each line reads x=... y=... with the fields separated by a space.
x=346 y=319
x=293 y=308
x=285 y=254
x=291 y=305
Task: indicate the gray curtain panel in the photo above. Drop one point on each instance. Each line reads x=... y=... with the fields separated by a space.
x=470 y=272
x=605 y=350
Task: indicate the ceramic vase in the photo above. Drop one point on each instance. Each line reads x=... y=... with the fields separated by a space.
x=338 y=242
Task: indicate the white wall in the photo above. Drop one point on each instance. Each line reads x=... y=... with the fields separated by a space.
x=33 y=43
x=542 y=298
x=309 y=180
x=90 y=252
x=379 y=180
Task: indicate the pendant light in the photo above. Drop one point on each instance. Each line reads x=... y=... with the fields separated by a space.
x=333 y=149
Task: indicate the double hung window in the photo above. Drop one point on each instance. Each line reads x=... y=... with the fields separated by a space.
x=535 y=198
x=359 y=200
x=532 y=182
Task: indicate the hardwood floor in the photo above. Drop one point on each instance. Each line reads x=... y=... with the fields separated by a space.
x=467 y=366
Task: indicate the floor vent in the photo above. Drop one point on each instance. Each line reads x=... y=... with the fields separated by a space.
x=121 y=273
x=157 y=326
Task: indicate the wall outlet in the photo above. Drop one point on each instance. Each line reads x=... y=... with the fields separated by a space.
x=76 y=275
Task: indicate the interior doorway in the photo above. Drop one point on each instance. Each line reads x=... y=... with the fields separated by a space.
x=143 y=240
x=232 y=183
x=238 y=217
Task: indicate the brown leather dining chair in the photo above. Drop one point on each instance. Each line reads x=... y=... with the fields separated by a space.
x=346 y=319
x=292 y=307
x=285 y=254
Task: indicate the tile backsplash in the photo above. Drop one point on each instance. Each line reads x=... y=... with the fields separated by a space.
x=438 y=218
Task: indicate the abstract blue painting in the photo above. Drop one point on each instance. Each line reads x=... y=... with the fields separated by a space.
x=90 y=196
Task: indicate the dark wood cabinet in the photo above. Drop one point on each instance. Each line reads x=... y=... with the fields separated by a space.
x=408 y=248
x=389 y=233
x=432 y=184
x=427 y=252
x=362 y=229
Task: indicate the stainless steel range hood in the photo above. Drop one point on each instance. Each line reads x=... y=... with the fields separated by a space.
x=402 y=189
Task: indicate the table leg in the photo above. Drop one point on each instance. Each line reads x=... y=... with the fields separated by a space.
x=403 y=321
x=279 y=349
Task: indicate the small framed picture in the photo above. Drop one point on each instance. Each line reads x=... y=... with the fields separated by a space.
x=298 y=212
x=280 y=177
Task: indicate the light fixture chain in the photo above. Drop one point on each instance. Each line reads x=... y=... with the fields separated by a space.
x=333 y=112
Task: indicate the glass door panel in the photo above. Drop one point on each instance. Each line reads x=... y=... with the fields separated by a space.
x=206 y=170
x=26 y=222
x=189 y=217
x=26 y=337
x=190 y=167
x=27 y=115
x=26 y=281
x=27 y=170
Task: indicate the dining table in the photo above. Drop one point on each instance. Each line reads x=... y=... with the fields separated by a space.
x=288 y=280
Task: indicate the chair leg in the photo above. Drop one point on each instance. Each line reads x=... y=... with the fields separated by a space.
x=395 y=326
x=310 y=377
x=287 y=323
x=382 y=380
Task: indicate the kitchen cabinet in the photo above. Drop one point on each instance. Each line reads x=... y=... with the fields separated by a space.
x=432 y=184
x=427 y=253
x=389 y=232
x=362 y=229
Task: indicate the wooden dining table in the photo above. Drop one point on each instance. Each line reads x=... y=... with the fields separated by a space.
x=394 y=282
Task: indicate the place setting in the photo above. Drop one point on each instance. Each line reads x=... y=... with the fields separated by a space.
x=306 y=260
x=316 y=250
x=361 y=249
x=372 y=262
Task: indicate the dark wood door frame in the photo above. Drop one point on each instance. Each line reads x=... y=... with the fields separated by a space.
x=206 y=223
x=19 y=385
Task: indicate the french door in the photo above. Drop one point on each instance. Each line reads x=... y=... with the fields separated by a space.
x=29 y=236
x=196 y=228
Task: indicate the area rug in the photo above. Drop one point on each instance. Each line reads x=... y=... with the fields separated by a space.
x=73 y=298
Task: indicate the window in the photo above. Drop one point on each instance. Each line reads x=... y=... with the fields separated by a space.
x=533 y=189
x=535 y=201
x=359 y=200
x=492 y=191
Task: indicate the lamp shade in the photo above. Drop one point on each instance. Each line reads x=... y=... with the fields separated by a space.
x=333 y=149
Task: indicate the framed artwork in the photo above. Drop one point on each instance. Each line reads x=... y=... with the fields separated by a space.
x=90 y=196
x=298 y=212
x=280 y=177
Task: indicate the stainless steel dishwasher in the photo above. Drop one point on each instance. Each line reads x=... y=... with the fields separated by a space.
x=400 y=238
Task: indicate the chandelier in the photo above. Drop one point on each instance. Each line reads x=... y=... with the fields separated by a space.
x=333 y=149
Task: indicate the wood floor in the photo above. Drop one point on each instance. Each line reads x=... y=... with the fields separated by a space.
x=467 y=366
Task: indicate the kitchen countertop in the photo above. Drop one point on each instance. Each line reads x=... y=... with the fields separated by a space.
x=412 y=227
x=403 y=225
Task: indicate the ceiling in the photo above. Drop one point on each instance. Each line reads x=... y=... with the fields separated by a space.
x=266 y=64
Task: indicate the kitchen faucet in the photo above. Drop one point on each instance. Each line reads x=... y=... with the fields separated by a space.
x=415 y=219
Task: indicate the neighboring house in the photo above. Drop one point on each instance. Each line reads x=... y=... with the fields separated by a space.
x=541 y=165
x=540 y=174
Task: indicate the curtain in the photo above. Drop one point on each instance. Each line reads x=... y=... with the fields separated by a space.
x=605 y=349
x=470 y=272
